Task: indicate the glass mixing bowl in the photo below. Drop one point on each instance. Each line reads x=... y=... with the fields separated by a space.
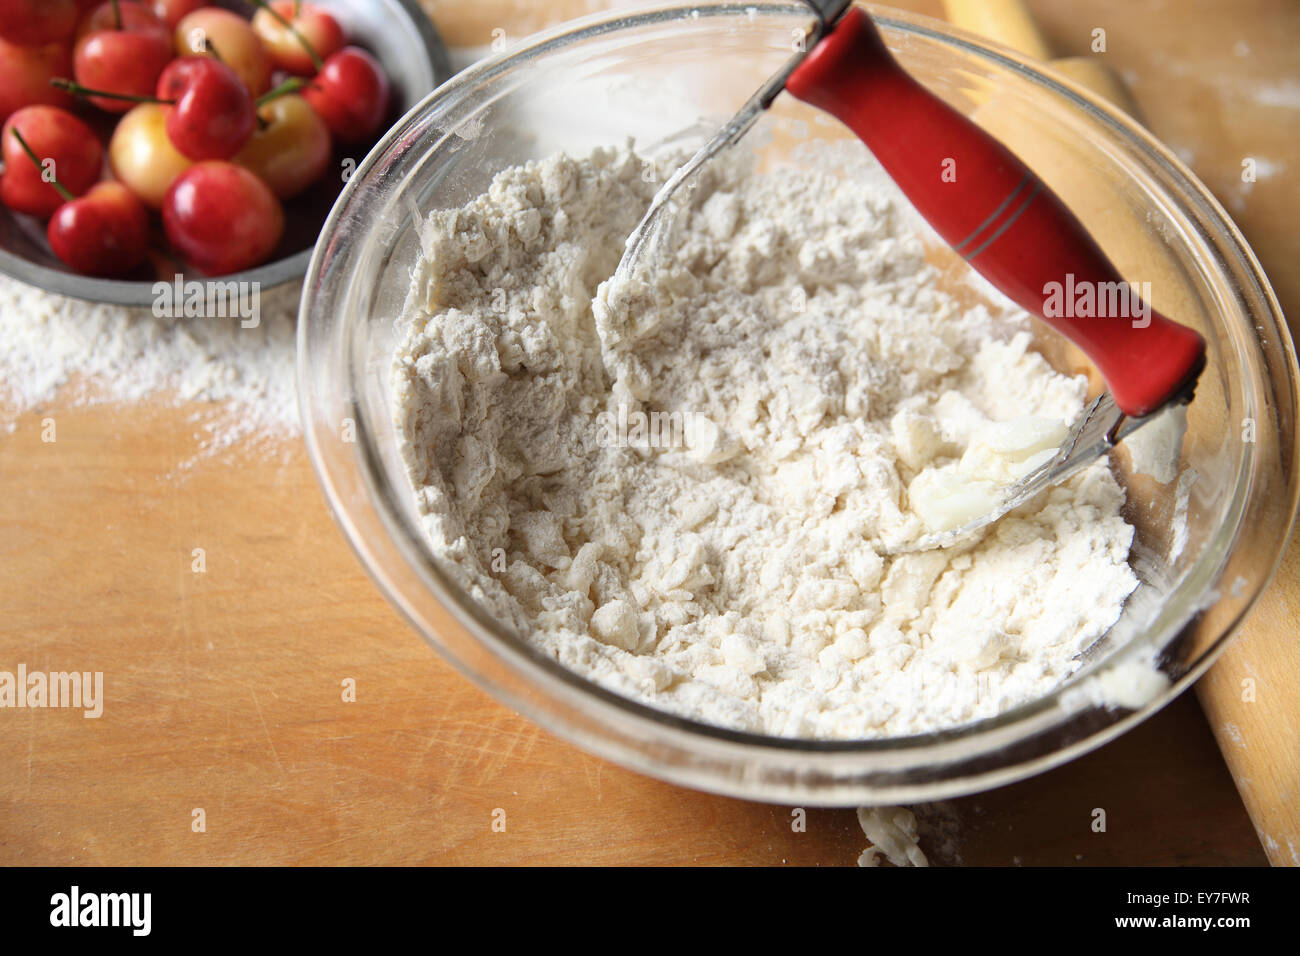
x=652 y=76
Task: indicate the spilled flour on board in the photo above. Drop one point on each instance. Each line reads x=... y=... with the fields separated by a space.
x=54 y=347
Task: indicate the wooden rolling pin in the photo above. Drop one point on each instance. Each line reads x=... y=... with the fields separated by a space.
x=1248 y=696
x=1009 y=22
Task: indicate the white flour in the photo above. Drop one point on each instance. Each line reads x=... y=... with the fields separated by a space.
x=86 y=354
x=734 y=576
x=893 y=833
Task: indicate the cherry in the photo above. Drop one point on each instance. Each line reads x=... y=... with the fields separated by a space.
x=222 y=218
x=122 y=48
x=211 y=31
x=210 y=112
x=351 y=94
x=171 y=12
x=61 y=146
x=292 y=150
x=142 y=156
x=25 y=74
x=297 y=35
x=213 y=115
x=131 y=15
x=104 y=233
x=37 y=22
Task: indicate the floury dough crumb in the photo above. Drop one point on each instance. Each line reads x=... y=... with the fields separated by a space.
x=893 y=832
x=726 y=563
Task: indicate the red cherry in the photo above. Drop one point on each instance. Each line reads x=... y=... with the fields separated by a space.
x=130 y=15
x=213 y=114
x=25 y=74
x=125 y=60
x=351 y=94
x=104 y=233
x=222 y=218
x=67 y=149
x=37 y=22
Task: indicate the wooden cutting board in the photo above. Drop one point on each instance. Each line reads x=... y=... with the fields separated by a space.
x=224 y=689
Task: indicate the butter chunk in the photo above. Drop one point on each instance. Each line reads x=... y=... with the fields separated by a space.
x=946 y=499
x=1000 y=453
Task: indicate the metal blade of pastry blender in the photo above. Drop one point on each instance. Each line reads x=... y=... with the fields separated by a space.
x=652 y=223
x=1097 y=430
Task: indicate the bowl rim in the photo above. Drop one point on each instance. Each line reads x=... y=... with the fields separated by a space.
x=141 y=292
x=540 y=674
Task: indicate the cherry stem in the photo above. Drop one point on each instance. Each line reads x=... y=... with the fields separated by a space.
x=117 y=16
x=291 y=85
x=311 y=51
x=210 y=47
x=76 y=89
x=58 y=186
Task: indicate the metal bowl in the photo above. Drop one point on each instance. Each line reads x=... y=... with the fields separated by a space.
x=398 y=32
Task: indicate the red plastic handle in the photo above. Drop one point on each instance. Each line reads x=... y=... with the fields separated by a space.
x=999 y=216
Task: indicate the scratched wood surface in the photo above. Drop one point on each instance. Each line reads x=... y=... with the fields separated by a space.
x=223 y=689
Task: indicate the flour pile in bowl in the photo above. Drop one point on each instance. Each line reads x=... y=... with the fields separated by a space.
x=683 y=490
